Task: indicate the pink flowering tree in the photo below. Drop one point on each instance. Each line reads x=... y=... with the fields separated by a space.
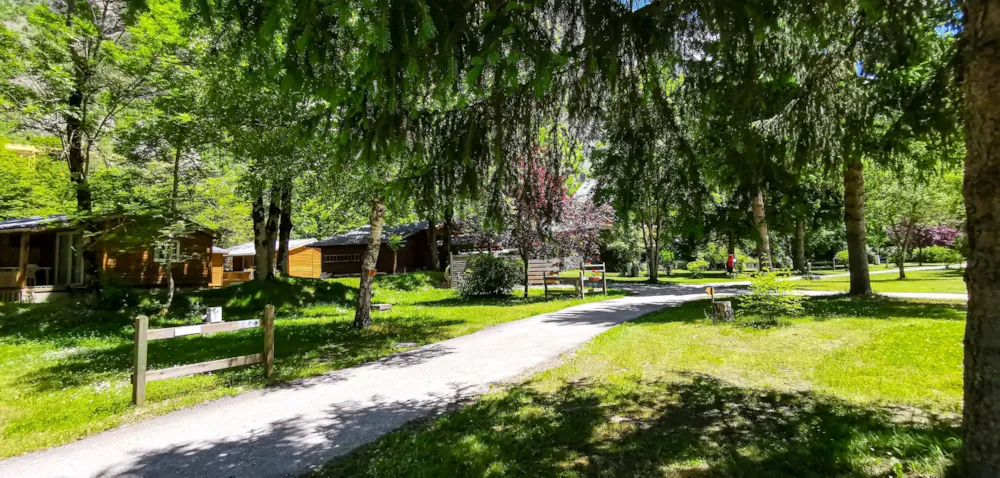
x=579 y=229
x=536 y=196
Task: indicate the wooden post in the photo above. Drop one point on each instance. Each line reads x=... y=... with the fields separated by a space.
x=583 y=285
x=22 y=261
x=268 y=340
x=139 y=361
x=604 y=278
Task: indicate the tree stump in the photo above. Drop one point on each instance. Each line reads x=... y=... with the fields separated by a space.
x=723 y=311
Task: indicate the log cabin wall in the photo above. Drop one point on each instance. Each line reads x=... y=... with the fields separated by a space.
x=137 y=267
x=413 y=256
x=305 y=262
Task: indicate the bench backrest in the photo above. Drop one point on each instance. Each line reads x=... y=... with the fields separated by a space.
x=539 y=269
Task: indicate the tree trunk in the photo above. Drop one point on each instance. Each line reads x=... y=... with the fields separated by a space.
x=285 y=228
x=900 y=262
x=981 y=412
x=760 y=221
x=432 y=242
x=258 y=214
x=920 y=256
x=271 y=231
x=395 y=257
x=654 y=258
x=449 y=216
x=363 y=312
x=854 y=219
x=800 y=246
x=731 y=243
x=170 y=284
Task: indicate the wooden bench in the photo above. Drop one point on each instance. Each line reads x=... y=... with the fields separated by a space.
x=545 y=272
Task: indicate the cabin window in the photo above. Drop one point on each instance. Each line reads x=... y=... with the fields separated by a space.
x=169 y=251
x=341 y=257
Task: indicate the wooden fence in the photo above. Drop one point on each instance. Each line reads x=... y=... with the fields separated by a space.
x=141 y=376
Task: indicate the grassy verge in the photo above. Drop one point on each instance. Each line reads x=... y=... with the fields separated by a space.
x=676 y=277
x=940 y=281
x=854 y=388
x=66 y=368
x=841 y=269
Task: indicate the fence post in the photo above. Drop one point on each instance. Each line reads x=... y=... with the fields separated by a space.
x=268 y=340
x=139 y=361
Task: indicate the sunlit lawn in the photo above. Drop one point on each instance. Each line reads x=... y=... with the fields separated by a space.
x=940 y=281
x=854 y=388
x=842 y=269
x=677 y=276
x=66 y=370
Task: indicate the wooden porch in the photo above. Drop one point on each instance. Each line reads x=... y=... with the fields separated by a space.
x=39 y=262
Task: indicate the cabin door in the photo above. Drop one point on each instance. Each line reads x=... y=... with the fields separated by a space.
x=69 y=258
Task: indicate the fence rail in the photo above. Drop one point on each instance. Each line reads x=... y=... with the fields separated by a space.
x=141 y=376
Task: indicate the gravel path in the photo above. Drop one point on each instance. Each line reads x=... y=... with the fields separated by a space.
x=291 y=428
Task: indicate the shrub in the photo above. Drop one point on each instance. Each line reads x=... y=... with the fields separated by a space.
x=843 y=257
x=946 y=255
x=490 y=275
x=697 y=268
x=115 y=294
x=768 y=301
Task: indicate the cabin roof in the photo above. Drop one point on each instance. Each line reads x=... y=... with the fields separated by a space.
x=35 y=222
x=359 y=236
x=247 y=248
x=62 y=221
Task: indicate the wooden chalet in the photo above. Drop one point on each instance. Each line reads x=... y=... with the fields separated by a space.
x=236 y=264
x=42 y=256
x=342 y=254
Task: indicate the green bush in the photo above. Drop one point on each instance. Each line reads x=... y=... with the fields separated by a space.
x=697 y=268
x=490 y=275
x=114 y=294
x=941 y=254
x=768 y=302
x=843 y=257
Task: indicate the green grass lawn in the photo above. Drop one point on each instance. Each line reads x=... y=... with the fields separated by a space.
x=841 y=269
x=945 y=280
x=678 y=276
x=854 y=388
x=66 y=369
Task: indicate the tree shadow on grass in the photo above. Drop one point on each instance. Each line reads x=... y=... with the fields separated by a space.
x=697 y=426
x=298 y=345
x=289 y=295
x=65 y=321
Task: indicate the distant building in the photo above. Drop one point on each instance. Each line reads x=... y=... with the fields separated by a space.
x=43 y=256
x=342 y=254
x=236 y=264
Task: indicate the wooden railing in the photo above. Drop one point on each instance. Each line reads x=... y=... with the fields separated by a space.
x=10 y=295
x=142 y=335
x=234 y=277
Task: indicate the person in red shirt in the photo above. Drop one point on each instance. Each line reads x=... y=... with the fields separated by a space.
x=730 y=264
